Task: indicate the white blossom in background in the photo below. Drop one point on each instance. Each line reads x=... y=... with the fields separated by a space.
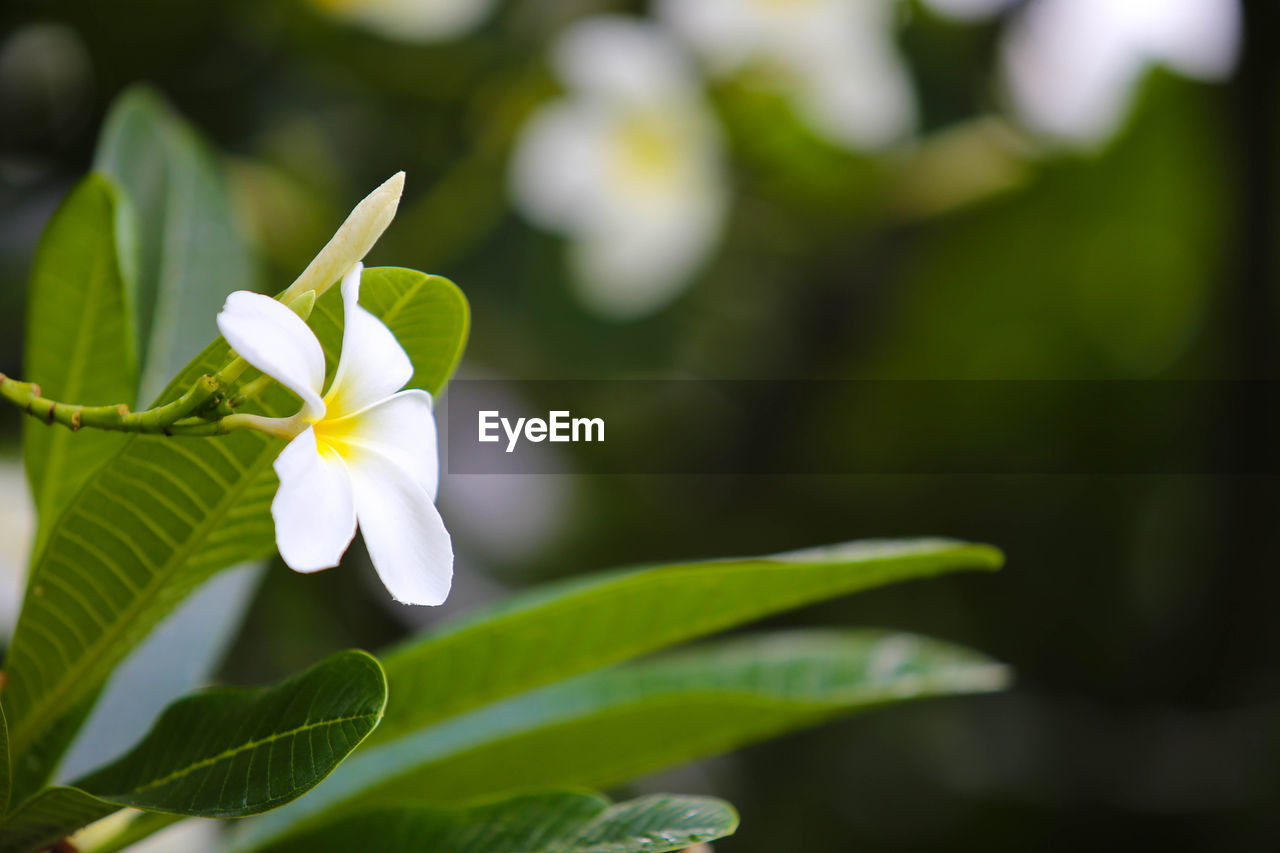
x=1071 y=67
x=188 y=836
x=412 y=20
x=628 y=166
x=837 y=61
x=364 y=451
x=17 y=529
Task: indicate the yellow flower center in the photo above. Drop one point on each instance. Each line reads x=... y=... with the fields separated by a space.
x=645 y=153
x=334 y=435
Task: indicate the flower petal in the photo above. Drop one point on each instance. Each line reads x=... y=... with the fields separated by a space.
x=621 y=59
x=401 y=428
x=276 y=341
x=314 y=508
x=406 y=538
x=641 y=262
x=560 y=164
x=353 y=240
x=373 y=365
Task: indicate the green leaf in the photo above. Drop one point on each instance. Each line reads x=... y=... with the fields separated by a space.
x=540 y=823
x=49 y=816
x=178 y=656
x=231 y=752
x=221 y=753
x=428 y=314
x=609 y=727
x=190 y=254
x=612 y=726
x=165 y=514
x=569 y=628
x=79 y=342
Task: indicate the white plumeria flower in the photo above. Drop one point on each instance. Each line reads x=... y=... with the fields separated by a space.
x=629 y=166
x=836 y=60
x=412 y=20
x=1071 y=66
x=364 y=451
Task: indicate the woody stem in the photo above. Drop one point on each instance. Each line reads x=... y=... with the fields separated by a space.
x=27 y=396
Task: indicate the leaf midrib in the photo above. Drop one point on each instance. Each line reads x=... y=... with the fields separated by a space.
x=71 y=388
x=409 y=656
x=160 y=333
x=803 y=708
x=977 y=678
x=245 y=747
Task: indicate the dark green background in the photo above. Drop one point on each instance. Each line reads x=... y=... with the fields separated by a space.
x=1139 y=612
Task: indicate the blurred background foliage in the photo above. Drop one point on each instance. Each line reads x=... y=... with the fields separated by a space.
x=1137 y=611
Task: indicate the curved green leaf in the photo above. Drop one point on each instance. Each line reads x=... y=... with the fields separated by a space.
x=232 y=751
x=428 y=314
x=184 y=253
x=52 y=814
x=609 y=727
x=190 y=253
x=540 y=823
x=180 y=655
x=79 y=342
x=569 y=628
x=165 y=514
x=221 y=753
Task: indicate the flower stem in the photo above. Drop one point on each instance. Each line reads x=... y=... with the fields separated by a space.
x=205 y=409
x=118 y=418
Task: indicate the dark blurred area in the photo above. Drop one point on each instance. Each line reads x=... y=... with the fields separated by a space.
x=982 y=241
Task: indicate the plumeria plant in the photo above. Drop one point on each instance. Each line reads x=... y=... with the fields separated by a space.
x=309 y=417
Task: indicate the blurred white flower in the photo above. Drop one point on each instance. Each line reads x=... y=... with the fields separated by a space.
x=836 y=60
x=412 y=20
x=188 y=836
x=628 y=165
x=17 y=526
x=1071 y=66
